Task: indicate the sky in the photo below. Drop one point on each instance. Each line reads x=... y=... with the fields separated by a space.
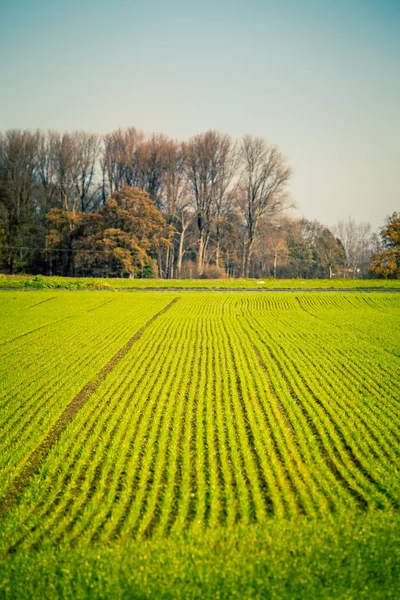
x=318 y=78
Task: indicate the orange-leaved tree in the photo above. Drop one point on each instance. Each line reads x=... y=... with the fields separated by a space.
x=387 y=263
x=64 y=228
x=124 y=237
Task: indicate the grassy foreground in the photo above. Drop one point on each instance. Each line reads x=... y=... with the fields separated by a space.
x=77 y=283
x=355 y=557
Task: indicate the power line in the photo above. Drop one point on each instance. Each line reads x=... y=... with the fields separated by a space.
x=53 y=249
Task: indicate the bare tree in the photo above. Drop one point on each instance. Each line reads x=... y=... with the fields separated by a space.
x=65 y=164
x=262 y=190
x=47 y=170
x=87 y=147
x=185 y=217
x=73 y=163
x=119 y=161
x=227 y=165
x=112 y=163
x=270 y=247
x=359 y=244
x=151 y=158
x=19 y=166
x=175 y=202
x=206 y=160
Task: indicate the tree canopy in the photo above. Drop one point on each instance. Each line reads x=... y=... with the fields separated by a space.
x=135 y=205
x=116 y=240
x=387 y=262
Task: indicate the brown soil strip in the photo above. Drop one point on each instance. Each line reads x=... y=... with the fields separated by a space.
x=41 y=302
x=40 y=453
x=100 y=305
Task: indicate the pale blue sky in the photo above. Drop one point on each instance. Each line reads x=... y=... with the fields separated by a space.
x=321 y=79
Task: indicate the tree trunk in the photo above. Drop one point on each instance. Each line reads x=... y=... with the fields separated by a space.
x=180 y=253
x=171 y=262
x=160 y=270
x=200 y=255
x=248 y=249
x=218 y=253
x=167 y=263
x=218 y=247
x=70 y=259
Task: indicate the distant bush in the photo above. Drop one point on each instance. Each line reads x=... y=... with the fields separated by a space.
x=36 y=282
x=213 y=272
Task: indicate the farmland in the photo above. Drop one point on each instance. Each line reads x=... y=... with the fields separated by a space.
x=115 y=283
x=174 y=433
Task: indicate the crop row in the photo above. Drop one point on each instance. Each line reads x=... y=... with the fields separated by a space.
x=229 y=409
x=41 y=376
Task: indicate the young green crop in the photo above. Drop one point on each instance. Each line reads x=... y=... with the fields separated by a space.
x=225 y=413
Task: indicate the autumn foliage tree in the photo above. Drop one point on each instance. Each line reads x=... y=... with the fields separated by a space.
x=133 y=232
x=121 y=239
x=387 y=263
x=63 y=230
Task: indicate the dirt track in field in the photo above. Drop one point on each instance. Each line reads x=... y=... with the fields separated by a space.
x=39 y=454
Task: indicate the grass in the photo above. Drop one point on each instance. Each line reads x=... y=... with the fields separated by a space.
x=75 y=283
x=358 y=558
x=243 y=445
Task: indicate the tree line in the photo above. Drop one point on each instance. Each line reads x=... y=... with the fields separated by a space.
x=127 y=204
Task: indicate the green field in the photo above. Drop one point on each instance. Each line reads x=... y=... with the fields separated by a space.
x=187 y=445
x=81 y=283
